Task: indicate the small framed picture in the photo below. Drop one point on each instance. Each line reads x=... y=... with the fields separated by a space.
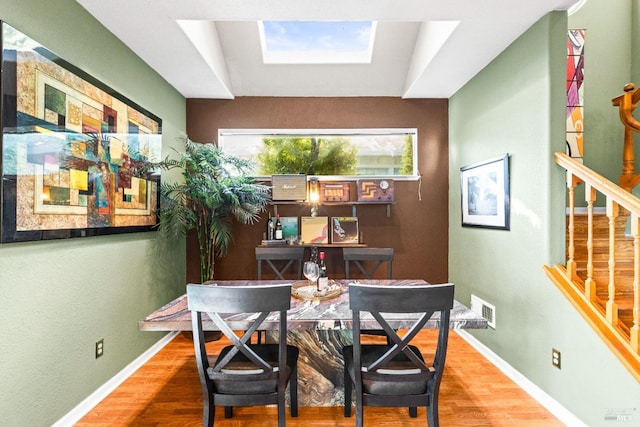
x=344 y=229
x=485 y=193
x=315 y=229
x=290 y=228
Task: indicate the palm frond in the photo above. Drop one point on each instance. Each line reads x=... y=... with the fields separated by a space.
x=214 y=192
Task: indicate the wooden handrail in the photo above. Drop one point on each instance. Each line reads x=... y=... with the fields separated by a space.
x=600 y=183
x=602 y=313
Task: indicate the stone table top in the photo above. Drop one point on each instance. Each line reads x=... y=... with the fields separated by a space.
x=333 y=314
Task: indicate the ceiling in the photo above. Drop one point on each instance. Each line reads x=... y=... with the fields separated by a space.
x=423 y=48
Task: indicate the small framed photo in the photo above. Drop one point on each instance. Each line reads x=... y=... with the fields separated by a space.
x=315 y=229
x=344 y=229
x=485 y=193
x=289 y=228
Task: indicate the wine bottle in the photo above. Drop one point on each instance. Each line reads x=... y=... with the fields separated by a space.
x=278 y=228
x=270 y=228
x=323 y=279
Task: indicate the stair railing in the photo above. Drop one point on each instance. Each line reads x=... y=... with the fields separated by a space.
x=626 y=345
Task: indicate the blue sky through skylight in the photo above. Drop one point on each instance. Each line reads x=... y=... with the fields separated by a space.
x=316 y=36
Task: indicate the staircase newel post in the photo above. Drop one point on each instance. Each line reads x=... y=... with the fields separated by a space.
x=626 y=104
x=612 y=307
x=590 y=284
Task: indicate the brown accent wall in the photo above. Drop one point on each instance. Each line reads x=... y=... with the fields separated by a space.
x=418 y=225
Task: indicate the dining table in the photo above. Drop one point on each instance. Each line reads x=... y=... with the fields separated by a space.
x=319 y=326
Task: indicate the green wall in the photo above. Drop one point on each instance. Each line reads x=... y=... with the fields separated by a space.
x=516 y=105
x=57 y=298
x=635 y=43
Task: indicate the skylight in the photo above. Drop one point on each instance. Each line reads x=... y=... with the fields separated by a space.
x=317 y=42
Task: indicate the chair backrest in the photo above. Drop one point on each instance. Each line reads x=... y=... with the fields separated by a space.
x=218 y=301
x=287 y=255
x=424 y=300
x=361 y=256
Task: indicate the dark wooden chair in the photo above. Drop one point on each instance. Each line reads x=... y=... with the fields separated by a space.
x=280 y=260
x=367 y=260
x=284 y=258
x=244 y=374
x=396 y=375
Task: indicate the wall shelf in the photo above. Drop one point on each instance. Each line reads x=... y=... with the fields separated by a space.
x=314 y=245
x=353 y=205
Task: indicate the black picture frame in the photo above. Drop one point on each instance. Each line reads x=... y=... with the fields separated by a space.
x=484 y=188
x=76 y=154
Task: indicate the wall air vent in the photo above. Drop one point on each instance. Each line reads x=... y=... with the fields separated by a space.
x=485 y=310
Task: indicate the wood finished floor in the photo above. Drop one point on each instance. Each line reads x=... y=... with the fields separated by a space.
x=166 y=392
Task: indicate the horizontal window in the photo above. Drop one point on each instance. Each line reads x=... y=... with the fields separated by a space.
x=327 y=152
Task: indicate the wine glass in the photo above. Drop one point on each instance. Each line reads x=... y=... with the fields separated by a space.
x=311 y=271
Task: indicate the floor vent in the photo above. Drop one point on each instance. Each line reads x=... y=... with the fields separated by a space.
x=485 y=310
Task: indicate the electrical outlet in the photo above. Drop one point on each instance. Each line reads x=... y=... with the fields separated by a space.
x=555 y=358
x=99 y=348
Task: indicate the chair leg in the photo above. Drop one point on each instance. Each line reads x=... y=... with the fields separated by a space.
x=228 y=411
x=281 y=406
x=359 y=410
x=347 y=393
x=259 y=336
x=413 y=412
x=432 y=413
x=208 y=412
x=293 y=392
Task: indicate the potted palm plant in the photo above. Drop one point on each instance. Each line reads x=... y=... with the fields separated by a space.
x=216 y=190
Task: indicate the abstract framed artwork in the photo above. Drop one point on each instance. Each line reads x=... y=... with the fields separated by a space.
x=485 y=193
x=75 y=153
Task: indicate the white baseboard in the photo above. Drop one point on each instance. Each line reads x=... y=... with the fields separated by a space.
x=96 y=397
x=533 y=390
